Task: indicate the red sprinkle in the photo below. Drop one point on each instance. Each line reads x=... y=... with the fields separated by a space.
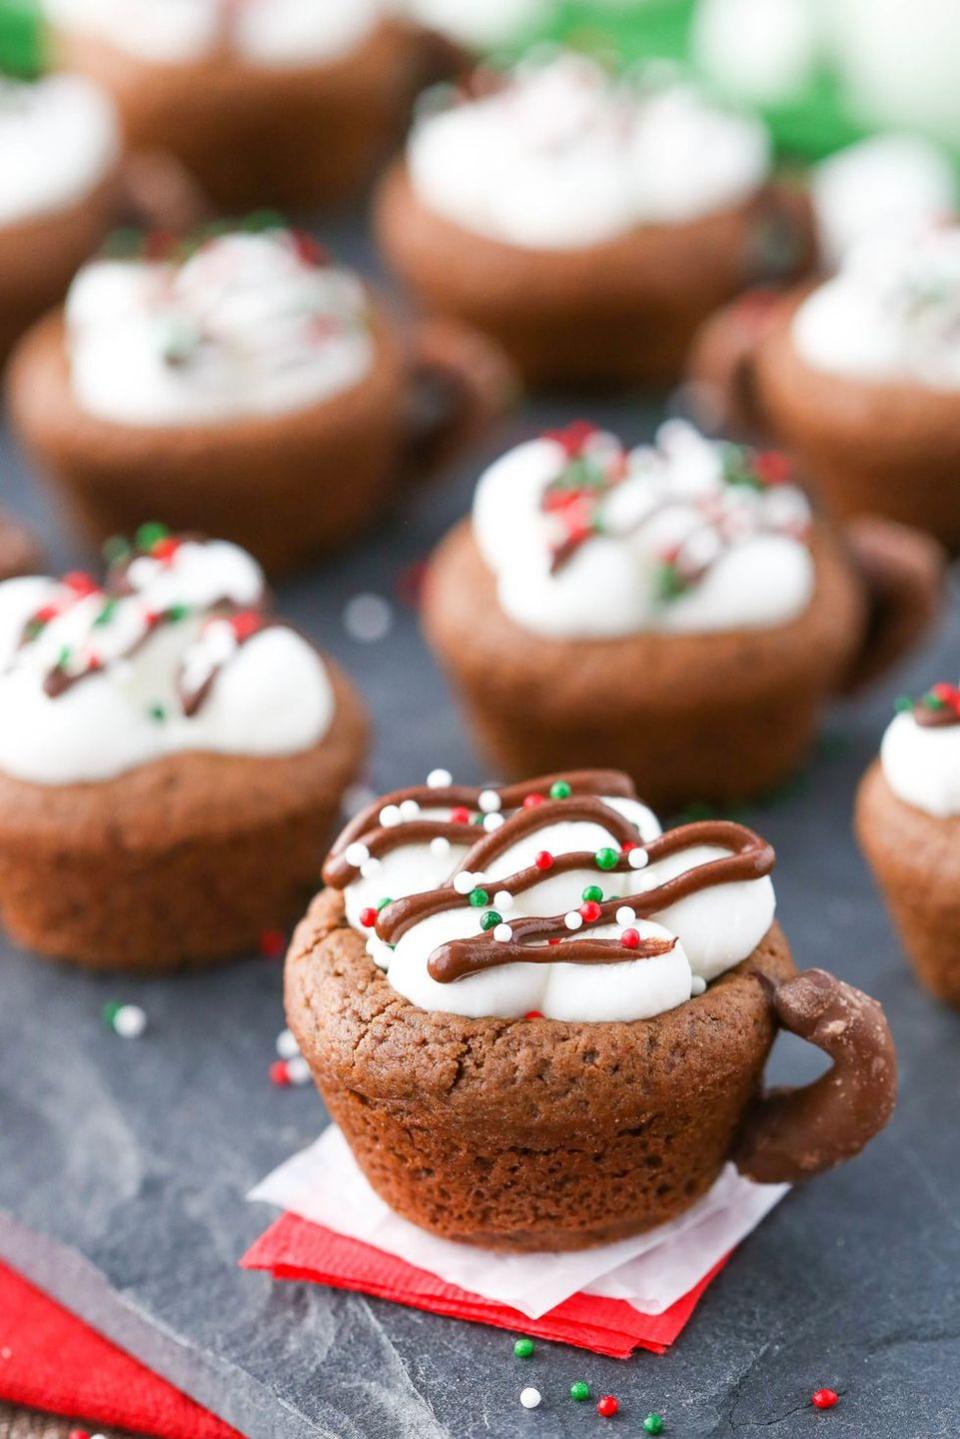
x=608 y=1406
x=948 y=695
x=166 y=548
x=79 y=1434
x=273 y=942
x=544 y=860
x=460 y=815
x=309 y=249
x=152 y=618
x=532 y=800
x=245 y=624
x=772 y=467
x=80 y=583
x=533 y=1014
x=368 y=917
x=590 y=911
x=45 y=614
x=574 y=437
x=630 y=939
x=824 y=1398
x=554 y=941
x=630 y=844
x=279 y=1074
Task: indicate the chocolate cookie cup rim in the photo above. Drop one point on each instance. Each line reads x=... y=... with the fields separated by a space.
x=593 y=657
x=230 y=68
x=941 y=830
x=396 y=190
x=62 y=812
x=45 y=345
x=108 y=189
x=893 y=400
x=786 y=1135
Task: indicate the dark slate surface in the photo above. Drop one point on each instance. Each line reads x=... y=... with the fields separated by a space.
x=123 y=1166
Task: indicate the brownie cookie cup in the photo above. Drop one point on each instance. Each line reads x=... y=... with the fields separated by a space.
x=59 y=191
x=908 y=825
x=858 y=377
x=277 y=102
x=241 y=384
x=542 y=1024
x=172 y=757
x=675 y=607
x=588 y=223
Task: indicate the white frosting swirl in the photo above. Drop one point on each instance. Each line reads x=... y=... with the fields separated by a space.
x=680 y=541
x=478 y=24
x=127 y=674
x=58 y=141
x=714 y=929
x=565 y=156
x=892 y=313
x=921 y=764
x=249 y=325
x=263 y=32
x=885 y=182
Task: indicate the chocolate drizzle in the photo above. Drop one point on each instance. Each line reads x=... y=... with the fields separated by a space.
x=533 y=939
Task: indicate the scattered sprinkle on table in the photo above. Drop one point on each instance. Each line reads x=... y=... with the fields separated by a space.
x=523 y=1348
x=607 y=1406
x=824 y=1398
x=273 y=942
x=286 y=1045
x=530 y=1397
x=126 y=1020
x=367 y=618
x=653 y=1424
x=579 y=1390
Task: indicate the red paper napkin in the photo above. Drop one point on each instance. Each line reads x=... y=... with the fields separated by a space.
x=293 y=1248
x=51 y=1360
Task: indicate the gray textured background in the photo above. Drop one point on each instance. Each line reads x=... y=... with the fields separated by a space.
x=123 y=1166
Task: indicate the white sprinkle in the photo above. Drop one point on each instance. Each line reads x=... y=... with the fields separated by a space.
x=440 y=846
x=492 y=822
x=626 y=916
x=503 y=934
x=129 y=1021
x=390 y=816
x=530 y=1398
x=369 y=868
x=573 y=920
x=463 y=882
x=409 y=809
x=439 y=779
x=697 y=985
x=503 y=900
x=355 y=798
x=287 y=1046
x=356 y=854
x=489 y=801
x=367 y=618
x=638 y=859
x=298 y=1070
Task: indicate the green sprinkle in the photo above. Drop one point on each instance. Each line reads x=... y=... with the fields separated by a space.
x=123 y=244
x=490 y=920
x=479 y=898
x=670 y=584
x=383 y=904
x=34 y=628
x=261 y=220
x=524 y=1348
x=579 y=1390
x=106 y=614
x=115 y=549
x=63 y=658
x=176 y=613
x=157 y=713
x=110 y=1012
x=902 y=704
x=606 y=859
x=593 y=893
x=933 y=702
x=653 y=1424
x=560 y=790
x=149 y=534
x=477 y=819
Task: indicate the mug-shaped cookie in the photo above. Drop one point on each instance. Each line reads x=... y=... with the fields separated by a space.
x=858 y=377
x=677 y=607
x=241 y=384
x=542 y=1024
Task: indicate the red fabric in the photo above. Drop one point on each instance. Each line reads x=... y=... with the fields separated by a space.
x=292 y=1248
x=51 y=1360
